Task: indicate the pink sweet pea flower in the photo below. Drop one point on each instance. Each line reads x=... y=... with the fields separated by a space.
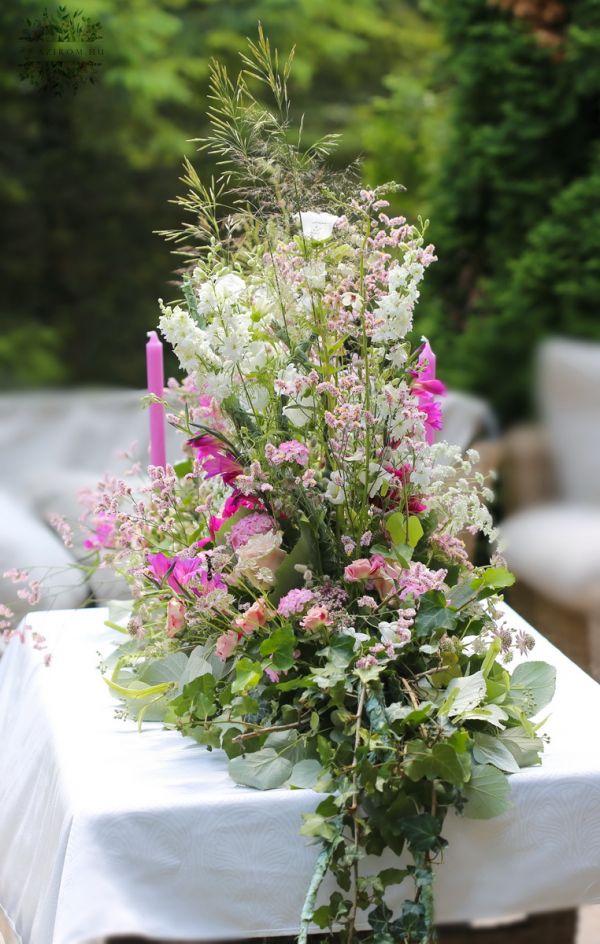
x=215 y=458
x=183 y=571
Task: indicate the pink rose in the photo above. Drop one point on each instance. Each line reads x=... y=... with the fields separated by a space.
x=175 y=616
x=317 y=616
x=226 y=644
x=358 y=570
x=257 y=616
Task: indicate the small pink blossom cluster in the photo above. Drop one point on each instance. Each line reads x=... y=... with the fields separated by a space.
x=248 y=526
x=295 y=601
x=290 y=451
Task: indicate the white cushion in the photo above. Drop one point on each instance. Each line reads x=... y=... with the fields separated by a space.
x=556 y=550
x=568 y=388
x=26 y=543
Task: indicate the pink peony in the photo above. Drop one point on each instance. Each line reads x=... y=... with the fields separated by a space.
x=226 y=644
x=255 y=617
x=316 y=617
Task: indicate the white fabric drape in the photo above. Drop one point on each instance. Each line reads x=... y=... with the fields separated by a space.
x=106 y=831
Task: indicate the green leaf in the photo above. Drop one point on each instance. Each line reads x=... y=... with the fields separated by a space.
x=532 y=686
x=263 y=770
x=407 y=714
x=493 y=714
x=463 y=694
x=488 y=749
x=487 y=793
x=524 y=748
x=168 y=669
x=495 y=578
x=247 y=675
x=421 y=831
x=434 y=617
x=306 y=774
x=403 y=532
x=440 y=762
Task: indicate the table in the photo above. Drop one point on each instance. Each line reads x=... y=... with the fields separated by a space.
x=107 y=831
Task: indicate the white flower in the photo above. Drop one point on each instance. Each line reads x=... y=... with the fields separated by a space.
x=315 y=273
x=335 y=490
x=394 y=634
x=215 y=293
x=301 y=411
x=357 y=637
x=317 y=226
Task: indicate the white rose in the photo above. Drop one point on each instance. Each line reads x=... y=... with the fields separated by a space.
x=317 y=226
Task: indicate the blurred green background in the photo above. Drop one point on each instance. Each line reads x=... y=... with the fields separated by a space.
x=486 y=110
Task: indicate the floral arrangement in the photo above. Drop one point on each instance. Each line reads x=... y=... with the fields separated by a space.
x=302 y=596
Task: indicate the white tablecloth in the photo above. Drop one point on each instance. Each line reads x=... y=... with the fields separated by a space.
x=105 y=831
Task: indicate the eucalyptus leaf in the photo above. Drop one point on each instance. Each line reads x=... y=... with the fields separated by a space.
x=463 y=694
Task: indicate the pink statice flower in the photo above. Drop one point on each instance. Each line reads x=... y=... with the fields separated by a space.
x=295 y=601
x=289 y=451
x=248 y=526
x=419 y=579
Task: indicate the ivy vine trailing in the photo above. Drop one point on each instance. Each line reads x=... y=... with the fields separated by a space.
x=302 y=597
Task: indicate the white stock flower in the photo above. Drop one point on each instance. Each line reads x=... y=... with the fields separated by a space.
x=394 y=634
x=218 y=292
x=317 y=226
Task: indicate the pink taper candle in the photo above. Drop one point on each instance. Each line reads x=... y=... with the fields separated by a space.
x=156 y=385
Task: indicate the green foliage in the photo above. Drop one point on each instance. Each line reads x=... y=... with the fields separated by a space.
x=515 y=218
x=88 y=175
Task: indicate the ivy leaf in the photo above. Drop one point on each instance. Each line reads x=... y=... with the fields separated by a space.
x=407 y=714
x=532 y=686
x=487 y=793
x=434 y=618
x=248 y=674
x=263 y=770
x=488 y=749
x=422 y=832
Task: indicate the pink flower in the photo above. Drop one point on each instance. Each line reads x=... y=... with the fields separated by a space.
x=272 y=675
x=258 y=615
x=418 y=579
x=427 y=387
x=295 y=601
x=103 y=533
x=175 y=616
x=358 y=570
x=289 y=451
x=226 y=644
x=238 y=500
x=245 y=528
x=180 y=572
x=316 y=617
x=215 y=458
